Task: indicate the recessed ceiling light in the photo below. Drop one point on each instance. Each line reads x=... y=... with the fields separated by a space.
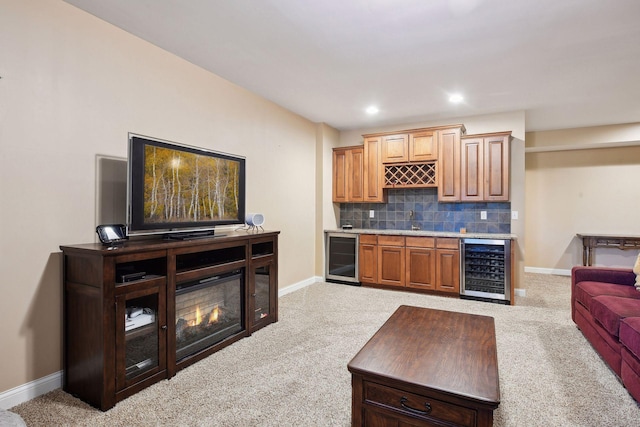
x=456 y=98
x=372 y=109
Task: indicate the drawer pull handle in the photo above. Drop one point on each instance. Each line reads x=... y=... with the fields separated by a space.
x=426 y=411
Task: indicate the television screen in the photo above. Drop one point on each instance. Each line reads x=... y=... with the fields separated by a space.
x=176 y=188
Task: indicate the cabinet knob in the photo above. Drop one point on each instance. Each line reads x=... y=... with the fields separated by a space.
x=163 y=327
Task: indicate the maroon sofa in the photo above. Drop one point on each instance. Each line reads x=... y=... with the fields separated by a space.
x=606 y=307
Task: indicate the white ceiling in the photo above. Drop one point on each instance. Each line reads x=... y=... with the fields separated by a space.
x=566 y=63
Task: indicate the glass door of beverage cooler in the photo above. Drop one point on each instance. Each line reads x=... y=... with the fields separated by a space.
x=342 y=257
x=486 y=270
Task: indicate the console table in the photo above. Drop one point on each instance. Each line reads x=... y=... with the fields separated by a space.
x=592 y=241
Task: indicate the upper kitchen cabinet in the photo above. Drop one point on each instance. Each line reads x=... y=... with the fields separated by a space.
x=485 y=167
x=358 y=173
x=348 y=174
x=423 y=146
x=419 y=145
x=395 y=148
x=449 y=164
x=373 y=171
x=410 y=157
x=464 y=168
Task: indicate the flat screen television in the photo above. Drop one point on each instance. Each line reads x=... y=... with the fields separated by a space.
x=182 y=191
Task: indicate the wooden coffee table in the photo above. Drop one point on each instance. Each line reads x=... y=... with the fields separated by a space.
x=427 y=367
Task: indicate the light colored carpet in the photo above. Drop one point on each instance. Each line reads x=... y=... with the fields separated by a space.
x=294 y=372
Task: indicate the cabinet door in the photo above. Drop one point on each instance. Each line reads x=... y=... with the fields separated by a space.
x=421 y=268
x=368 y=263
x=449 y=165
x=140 y=332
x=368 y=259
x=373 y=170
x=496 y=168
x=423 y=146
x=262 y=292
x=391 y=265
x=472 y=172
x=339 y=175
x=395 y=148
x=348 y=174
x=355 y=174
x=448 y=270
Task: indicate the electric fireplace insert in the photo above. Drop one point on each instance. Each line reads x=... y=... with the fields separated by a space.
x=208 y=310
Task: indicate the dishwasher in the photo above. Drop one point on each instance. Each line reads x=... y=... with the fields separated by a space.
x=486 y=270
x=342 y=258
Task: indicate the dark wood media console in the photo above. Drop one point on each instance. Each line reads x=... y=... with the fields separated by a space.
x=138 y=313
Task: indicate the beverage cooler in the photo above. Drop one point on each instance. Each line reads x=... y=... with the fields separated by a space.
x=486 y=270
x=342 y=258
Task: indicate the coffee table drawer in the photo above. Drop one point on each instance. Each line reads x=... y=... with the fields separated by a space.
x=417 y=406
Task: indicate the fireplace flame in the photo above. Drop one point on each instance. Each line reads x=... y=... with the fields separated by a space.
x=198 y=315
x=213 y=317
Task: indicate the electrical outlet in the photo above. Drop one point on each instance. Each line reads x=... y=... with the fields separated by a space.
x=483 y=214
x=514 y=214
x=371 y=213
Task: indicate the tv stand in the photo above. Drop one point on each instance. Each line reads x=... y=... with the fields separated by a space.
x=193 y=235
x=127 y=311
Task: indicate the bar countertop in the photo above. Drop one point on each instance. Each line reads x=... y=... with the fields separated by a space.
x=425 y=233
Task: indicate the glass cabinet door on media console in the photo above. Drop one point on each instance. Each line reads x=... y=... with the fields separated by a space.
x=140 y=306
x=140 y=332
x=263 y=291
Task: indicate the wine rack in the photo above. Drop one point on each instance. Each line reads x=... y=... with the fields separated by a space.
x=410 y=175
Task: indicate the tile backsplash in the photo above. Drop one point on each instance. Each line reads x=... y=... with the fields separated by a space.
x=428 y=214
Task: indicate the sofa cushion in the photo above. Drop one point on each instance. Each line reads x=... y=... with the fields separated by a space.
x=586 y=291
x=610 y=310
x=630 y=335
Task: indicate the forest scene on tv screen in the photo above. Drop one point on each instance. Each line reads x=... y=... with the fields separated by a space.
x=186 y=187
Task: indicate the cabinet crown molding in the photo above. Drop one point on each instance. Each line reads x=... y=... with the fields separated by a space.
x=435 y=128
x=488 y=134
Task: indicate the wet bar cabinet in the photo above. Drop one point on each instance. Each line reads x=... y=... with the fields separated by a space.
x=137 y=313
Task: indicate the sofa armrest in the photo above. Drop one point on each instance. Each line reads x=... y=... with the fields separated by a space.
x=620 y=276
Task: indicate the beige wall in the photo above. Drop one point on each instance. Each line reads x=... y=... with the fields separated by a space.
x=72 y=87
x=572 y=188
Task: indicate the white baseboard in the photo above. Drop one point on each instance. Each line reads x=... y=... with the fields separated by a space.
x=299 y=285
x=30 y=390
x=554 y=271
